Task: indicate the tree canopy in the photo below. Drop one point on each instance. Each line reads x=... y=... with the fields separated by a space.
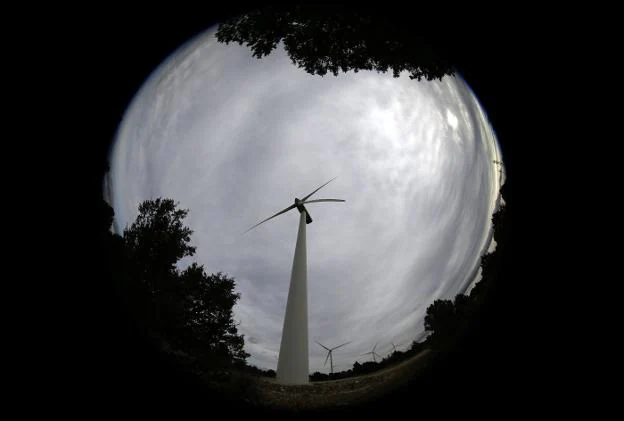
x=188 y=309
x=323 y=39
x=156 y=241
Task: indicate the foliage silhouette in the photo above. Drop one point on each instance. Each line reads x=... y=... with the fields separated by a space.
x=156 y=241
x=188 y=311
x=323 y=39
x=209 y=324
x=450 y=321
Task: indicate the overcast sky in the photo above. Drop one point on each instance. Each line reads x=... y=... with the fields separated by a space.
x=234 y=139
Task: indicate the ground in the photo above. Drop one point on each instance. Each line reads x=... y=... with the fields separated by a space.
x=326 y=395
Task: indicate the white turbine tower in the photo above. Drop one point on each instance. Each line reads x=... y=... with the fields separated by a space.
x=293 y=363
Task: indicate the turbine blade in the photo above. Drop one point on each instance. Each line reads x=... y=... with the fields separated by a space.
x=271 y=217
x=322 y=345
x=325 y=363
x=325 y=200
x=336 y=347
x=305 y=198
x=375 y=347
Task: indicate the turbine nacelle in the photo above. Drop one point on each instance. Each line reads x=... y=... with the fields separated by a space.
x=299 y=205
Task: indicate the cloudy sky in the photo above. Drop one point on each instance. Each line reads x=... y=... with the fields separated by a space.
x=234 y=139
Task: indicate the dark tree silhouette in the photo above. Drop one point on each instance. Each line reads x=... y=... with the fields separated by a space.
x=156 y=241
x=441 y=319
x=323 y=39
x=190 y=310
x=210 y=330
x=450 y=321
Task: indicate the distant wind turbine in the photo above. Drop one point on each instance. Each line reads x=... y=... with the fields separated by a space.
x=500 y=165
x=293 y=361
x=373 y=353
x=395 y=346
x=329 y=354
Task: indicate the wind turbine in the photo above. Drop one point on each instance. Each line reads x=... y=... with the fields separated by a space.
x=501 y=167
x=293 y=362
x=395 y=346
x=329 y=354
x=373 y=353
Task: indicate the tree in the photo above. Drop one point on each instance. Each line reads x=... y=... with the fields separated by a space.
x=190 y=310
x=441 y=319
x=209 y=324
x=323 y=39
x=451 y=321
x=156 y=241
x=492 y=263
